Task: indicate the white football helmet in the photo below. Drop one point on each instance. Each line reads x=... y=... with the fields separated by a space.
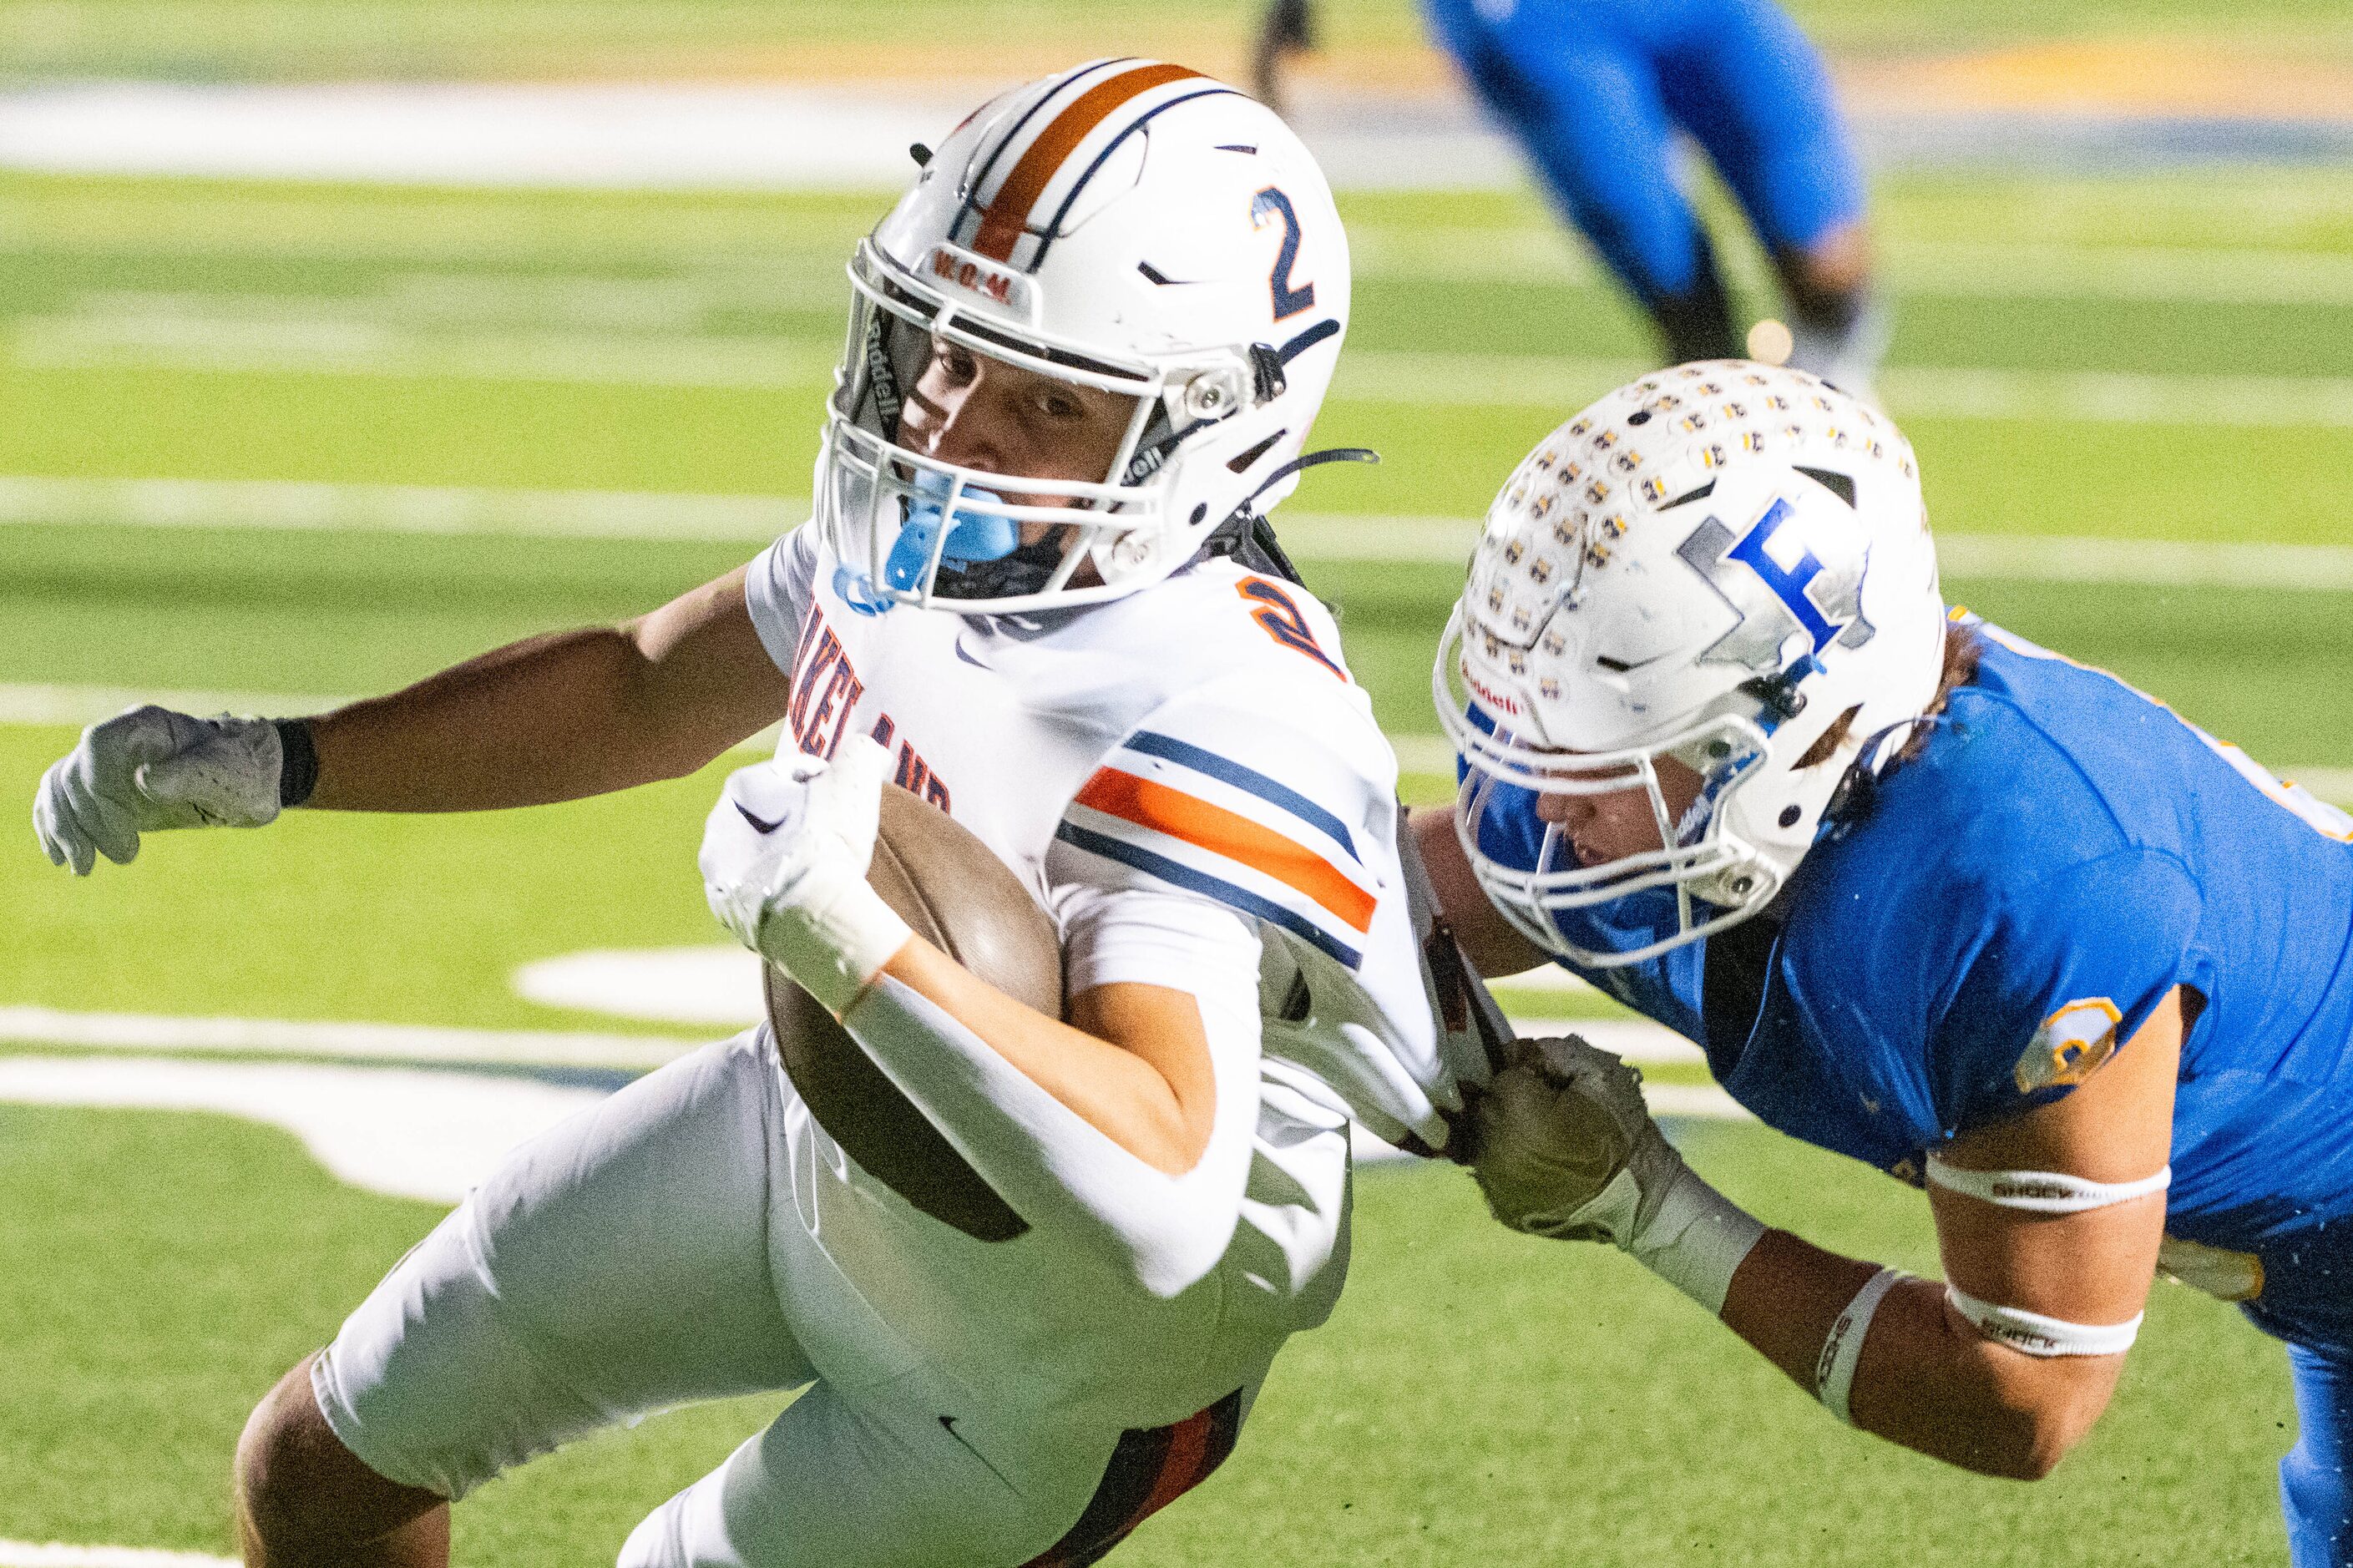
x=1714 y=563
x=1127 y=225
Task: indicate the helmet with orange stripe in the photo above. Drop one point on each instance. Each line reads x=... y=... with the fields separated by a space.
x=1092 y=335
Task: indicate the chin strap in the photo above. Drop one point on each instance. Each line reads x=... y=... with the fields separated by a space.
x=1250 y=538
x=1314 y=460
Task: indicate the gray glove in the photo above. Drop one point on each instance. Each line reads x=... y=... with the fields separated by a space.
x=149 y=769
x=1565 y=1147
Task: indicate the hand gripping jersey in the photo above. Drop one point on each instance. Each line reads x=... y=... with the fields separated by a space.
x=1200 y=742
x=2002 y=912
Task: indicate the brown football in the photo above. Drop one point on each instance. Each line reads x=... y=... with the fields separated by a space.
x=959 y=897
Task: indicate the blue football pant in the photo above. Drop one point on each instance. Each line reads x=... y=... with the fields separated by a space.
x=2313 y=1491
x=1594 y=89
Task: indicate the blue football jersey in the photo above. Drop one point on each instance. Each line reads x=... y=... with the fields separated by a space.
x=2003 y=912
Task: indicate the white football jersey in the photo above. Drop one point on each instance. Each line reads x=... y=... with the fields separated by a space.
x=1198 y=739
x=1203 y=736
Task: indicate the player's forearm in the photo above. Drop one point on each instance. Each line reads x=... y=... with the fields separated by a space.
x=1055 y=1169
x=1925 y=1379
x=1486 y=938
x=552 y=717
x=1114 y=1091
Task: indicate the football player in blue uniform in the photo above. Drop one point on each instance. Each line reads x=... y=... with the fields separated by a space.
x=1595 y=91
x=1930 y=896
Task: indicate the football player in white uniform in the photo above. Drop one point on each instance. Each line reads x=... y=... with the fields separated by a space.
x=1084 y=353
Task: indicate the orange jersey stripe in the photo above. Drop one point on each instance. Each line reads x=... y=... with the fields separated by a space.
x=1222 y=832
x=1003 y=219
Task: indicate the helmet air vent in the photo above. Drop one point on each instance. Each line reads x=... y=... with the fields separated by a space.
x=1839 y=485
x=1244 y=460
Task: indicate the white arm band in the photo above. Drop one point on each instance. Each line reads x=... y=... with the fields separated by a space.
x=2031 y=1334
x=1054 y=1167
x=2043 y=1191
x=1842 y=1350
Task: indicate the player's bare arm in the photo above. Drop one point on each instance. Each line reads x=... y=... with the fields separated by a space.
x=1928 y=1377
x=1493 y=946
x=783 y=859
x=1133 y=1062
x=559 y=717
x=551 y=718
x=2001 y=1368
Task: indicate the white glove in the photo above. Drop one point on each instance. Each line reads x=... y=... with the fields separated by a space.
x=1563 y=1146
x=783 y=866
x=149 y=769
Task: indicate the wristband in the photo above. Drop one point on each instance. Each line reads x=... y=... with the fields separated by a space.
x=1697 y=1239
x=298 y=768
x=1842 y=1350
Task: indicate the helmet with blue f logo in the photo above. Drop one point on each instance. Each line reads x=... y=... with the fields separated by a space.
x=1712 y=589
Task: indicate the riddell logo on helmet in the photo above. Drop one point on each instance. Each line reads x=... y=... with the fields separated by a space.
x=1491 y=698
x=973 y=276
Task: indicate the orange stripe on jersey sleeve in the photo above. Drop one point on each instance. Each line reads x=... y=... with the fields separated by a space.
x=1238 y=839
x=1003 y=219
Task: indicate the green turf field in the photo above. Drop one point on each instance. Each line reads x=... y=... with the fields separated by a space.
x=1478 y=1399
x=273 y=39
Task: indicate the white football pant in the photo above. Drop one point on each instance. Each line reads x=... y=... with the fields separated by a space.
x=657 y=1249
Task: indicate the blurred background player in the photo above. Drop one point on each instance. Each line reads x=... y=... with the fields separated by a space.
x=1594 y=92
x=1930 y=896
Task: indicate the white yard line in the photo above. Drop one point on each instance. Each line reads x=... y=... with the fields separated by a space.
x=1913 y=268
x=274 y=505
x=2099 y=397
x=753 y=265
x=354 y=1042
x=1636 y=1039
x=75 y=706
x=562 y=134
x=361 y=349
x=55 y=1554
x=405 y=1132
x=264 y=504
x=432 y=1134
x=338 y=346
x=2001 y=557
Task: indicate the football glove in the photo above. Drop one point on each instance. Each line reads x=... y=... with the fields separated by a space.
x=1563 y=1143
x=149 y=769
x=784 y=863
x=1563 y=1146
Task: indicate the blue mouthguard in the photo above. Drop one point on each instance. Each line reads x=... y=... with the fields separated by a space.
x=973 y=536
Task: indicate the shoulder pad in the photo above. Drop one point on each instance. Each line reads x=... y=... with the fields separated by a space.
x=1238 y=806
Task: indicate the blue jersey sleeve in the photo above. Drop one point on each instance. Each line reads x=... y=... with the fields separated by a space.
x=2064 y=973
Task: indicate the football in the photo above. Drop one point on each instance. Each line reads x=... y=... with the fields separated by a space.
x=958 y=896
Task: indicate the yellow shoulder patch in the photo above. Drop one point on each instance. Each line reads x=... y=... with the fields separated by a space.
x=2070 y=1046
x=2222 y=1274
